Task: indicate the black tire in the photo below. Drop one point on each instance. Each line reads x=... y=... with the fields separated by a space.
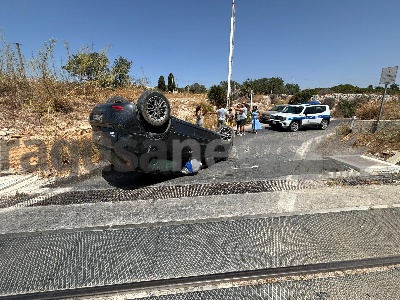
x=226 y=134
x=116 y=99
x=324 y=124
x=294 y=126
x=154 y=108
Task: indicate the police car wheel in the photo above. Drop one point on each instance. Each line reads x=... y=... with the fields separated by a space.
x=294 y=126
x=324 y=124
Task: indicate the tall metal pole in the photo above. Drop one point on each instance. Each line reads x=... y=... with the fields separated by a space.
x=228 y=95
x=251 y=100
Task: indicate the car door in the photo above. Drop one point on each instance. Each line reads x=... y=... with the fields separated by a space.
x=317 y=115
x=309 y=113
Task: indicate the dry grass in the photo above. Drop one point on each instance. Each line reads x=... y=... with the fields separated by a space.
x=370 y=110
x=382 y=143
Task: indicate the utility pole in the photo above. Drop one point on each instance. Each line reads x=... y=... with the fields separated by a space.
x=231 y=43
x=21 y=63
x=251 y=100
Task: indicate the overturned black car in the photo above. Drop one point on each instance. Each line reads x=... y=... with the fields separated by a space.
x=145 y=137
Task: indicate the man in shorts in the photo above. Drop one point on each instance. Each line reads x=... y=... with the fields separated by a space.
x=243 y=118
x=221 y=115
x=241 y=111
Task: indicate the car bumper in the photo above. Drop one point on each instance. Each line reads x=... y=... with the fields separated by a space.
x=278 y=123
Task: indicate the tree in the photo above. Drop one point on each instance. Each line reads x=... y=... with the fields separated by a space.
x=197 y=88
x=276 y=85
x=347 y=89
x=217 y=95
x=291 y=88
x=234 y=85
x=246 y=87
x=303 y=96
x=120 y=72
x=394 y=87
x=264 y=86
x=171 y=83
x=88 y=66
x=161 y=84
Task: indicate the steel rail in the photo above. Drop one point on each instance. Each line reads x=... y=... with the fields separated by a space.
x=300 y=270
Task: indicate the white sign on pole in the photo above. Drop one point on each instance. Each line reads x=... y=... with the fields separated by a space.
x=388 y=75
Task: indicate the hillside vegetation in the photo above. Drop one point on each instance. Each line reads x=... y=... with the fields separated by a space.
x=42 y=107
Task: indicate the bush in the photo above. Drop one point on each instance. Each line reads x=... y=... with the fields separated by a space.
x=368 y=111
x=330 y=101
x=217 y=95
x=345 y=109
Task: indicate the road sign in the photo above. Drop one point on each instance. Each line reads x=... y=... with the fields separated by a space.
x=388 y=75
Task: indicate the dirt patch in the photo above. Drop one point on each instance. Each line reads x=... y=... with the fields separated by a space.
x=336 y=144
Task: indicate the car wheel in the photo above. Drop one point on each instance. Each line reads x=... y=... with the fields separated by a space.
x=294 y=126
x=226 y=134
x=324 y=124
x=154 y=108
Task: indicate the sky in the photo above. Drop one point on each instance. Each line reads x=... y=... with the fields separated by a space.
x=312 y=43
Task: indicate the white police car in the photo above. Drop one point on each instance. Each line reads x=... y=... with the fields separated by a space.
x=294 y=117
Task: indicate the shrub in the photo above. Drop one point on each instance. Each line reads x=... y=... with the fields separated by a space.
x=368 y=111
x=217 y=95
x=330 y=101
x=345 y=109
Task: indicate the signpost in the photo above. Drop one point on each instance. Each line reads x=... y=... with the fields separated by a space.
x=388 y=76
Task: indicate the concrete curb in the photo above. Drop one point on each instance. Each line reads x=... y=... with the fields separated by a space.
x=365 y=164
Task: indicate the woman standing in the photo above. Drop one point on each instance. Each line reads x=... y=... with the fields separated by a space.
x=199 y=116
x=255 y=122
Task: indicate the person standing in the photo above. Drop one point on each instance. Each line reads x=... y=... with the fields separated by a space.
x=243 y=118
x=238 y=113
x=199 y=116
x=230 y=118
x=221 y=116
x=255 y=122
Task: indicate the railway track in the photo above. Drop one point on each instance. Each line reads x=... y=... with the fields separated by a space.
x=204 y=255
x=245 y=277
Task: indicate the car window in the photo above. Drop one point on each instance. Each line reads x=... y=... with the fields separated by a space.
x=310 y=110
x=293 y=109
x=277 y=108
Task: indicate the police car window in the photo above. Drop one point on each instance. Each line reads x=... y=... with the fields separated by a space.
x=309 y=110
x=293 y=109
